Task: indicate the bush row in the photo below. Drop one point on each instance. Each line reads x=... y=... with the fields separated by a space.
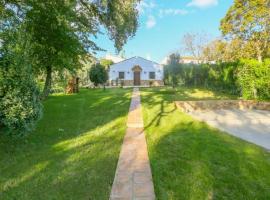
x=20 y=106
x=247 y=78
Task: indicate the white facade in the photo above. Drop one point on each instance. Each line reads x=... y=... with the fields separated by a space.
x=147 y=70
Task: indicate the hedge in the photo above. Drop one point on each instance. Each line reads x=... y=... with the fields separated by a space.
x=20 y=106
x=247 y=78
x=253 y=78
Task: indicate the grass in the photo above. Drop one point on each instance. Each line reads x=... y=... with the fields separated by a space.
x=191 y=160
x=72 y=154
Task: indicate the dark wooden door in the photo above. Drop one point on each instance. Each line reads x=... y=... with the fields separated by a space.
x=137 y=78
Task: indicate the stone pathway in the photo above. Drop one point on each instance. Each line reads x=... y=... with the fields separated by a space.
x=133 y=178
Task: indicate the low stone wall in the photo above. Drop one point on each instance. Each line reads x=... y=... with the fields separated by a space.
x=158 y=83
x=128 y=83
x=189 y=106
x=155 y=83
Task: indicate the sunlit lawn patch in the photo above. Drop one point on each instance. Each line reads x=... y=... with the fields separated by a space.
x=73 y=152
x=191 y=160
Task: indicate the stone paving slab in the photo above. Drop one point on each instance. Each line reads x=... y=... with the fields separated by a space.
x=135 y=119
x=133 y=178
x=250 y=125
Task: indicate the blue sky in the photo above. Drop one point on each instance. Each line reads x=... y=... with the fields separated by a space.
x=163 y=23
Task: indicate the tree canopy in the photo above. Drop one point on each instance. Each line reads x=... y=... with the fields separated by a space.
x=249 y=20
x=194 y=43
x=106 y=63
x=53 y=36
x=61 y=32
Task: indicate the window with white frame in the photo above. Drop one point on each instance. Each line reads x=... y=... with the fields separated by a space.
x=121 y=75
x=152 y=75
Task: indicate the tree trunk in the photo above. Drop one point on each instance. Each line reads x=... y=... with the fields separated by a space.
x=48 y=83
x=259 y=53
x=260 y=58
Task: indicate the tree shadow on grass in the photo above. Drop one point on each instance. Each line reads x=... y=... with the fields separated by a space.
x=193 y=161
x=190 y=160
x=158 y=117
x=188 y=93
x=73 y=152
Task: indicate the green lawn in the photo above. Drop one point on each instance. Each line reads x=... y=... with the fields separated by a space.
x=191 y=160
x=73 y=152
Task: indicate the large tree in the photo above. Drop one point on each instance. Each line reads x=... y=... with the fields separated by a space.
x=194 y=44
x=43 y=37
x=61 y=32
x=249 y=20
x=228 y=51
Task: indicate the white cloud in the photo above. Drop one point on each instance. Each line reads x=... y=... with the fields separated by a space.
x=203 y=3
x=151 y=21
x=144 y=5
x=163 y=12
x=148 y=56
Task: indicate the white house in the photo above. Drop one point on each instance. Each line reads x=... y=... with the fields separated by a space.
x=188 y=60
x=192 y=60
x=136 y=71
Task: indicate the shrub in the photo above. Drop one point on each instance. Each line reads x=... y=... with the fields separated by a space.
x=98 y=75
x=254 y=79
x=20 y=106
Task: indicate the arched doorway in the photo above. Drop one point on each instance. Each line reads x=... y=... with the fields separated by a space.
x=137 y=75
